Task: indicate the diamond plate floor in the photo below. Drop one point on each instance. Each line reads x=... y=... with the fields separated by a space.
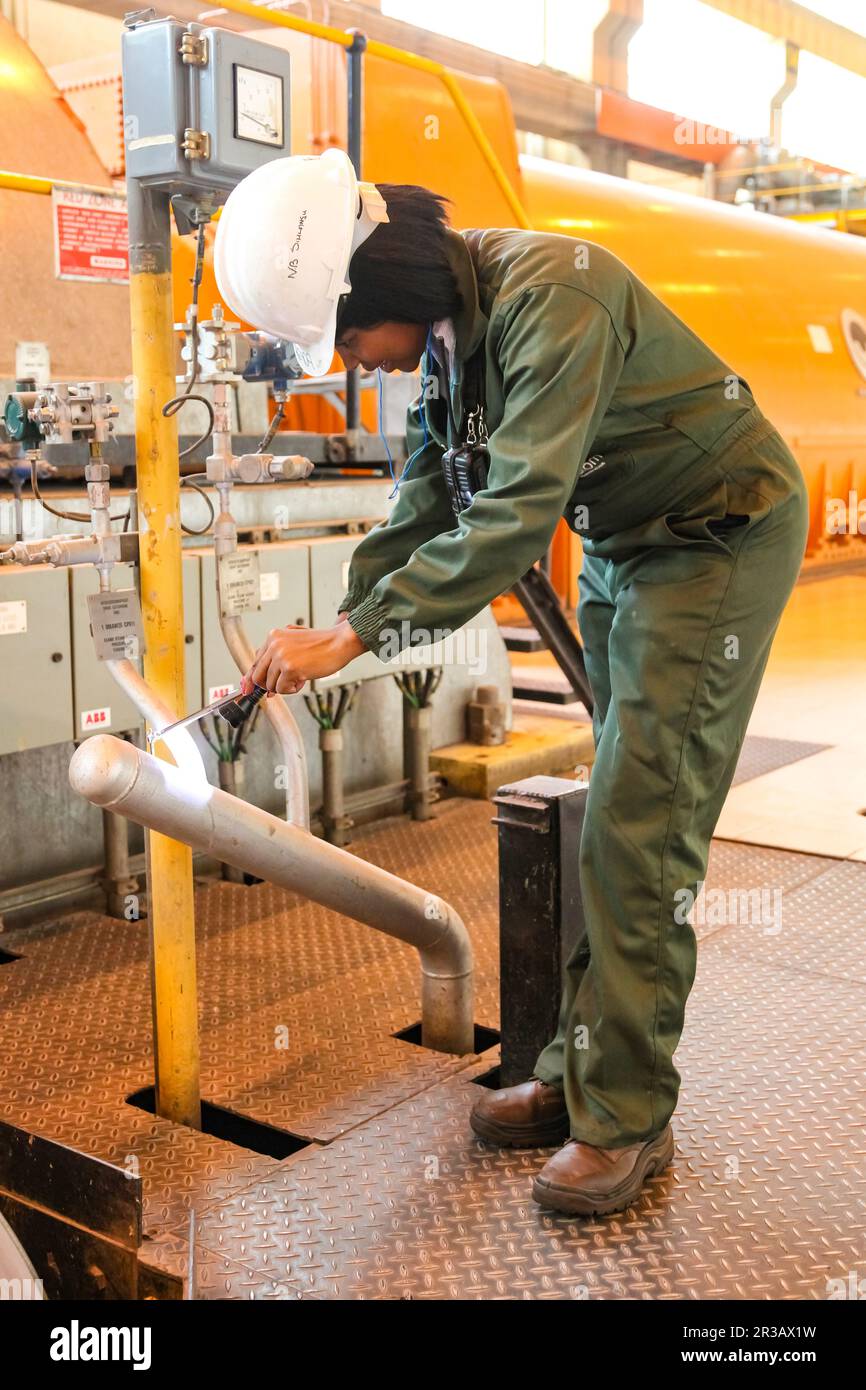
x=393 y=1197
x=761 y=755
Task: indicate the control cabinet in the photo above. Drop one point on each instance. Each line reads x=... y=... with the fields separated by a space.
x=284 y=596
x=99 y=704
x=35 y=658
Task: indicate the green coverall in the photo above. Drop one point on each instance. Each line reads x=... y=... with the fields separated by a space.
x=603 y=406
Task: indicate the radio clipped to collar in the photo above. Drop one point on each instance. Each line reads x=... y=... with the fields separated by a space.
x=465 y=465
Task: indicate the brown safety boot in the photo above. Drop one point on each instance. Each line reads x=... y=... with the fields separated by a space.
x=528 y=1116
x=585 y=1181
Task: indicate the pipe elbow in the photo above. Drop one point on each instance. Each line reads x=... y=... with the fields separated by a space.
x=449 y=956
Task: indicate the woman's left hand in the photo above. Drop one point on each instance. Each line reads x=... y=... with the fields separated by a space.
x=291 y=656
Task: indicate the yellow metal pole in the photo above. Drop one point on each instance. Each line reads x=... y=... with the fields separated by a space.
x=171 y=913
x=33 y=183
x=170 y=905
x=289 y=21
x=408 y=60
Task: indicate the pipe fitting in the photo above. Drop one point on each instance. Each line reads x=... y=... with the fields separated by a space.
x=109 y=549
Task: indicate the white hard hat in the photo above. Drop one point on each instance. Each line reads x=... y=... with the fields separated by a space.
x=283 y=246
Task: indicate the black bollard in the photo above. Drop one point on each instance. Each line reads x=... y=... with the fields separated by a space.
x=540 y=823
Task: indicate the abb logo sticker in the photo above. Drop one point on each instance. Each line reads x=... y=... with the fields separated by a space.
x=95 y=718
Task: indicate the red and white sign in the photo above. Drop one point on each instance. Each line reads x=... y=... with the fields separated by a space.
x=91 y=236
x=95 y=719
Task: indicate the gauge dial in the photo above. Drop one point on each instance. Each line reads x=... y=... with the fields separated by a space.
x=258 y=106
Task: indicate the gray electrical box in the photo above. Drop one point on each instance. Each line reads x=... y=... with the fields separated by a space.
x=35 y=658
x=202 y=107
x=329 y=579
x=99 y=704
x=284 y=597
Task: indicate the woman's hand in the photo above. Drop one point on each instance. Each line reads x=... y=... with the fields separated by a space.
x=294 y=655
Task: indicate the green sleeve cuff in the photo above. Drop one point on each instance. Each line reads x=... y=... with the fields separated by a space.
x=352 y=599
x=371 y=623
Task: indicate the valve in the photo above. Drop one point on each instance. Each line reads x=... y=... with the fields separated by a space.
x=208 y=349
x=16 y=416
x=271 y=359
x=102 y=551
x=258 y=468
x=59 y=414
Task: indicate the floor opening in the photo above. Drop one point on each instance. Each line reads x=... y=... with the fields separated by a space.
x=485 y=1038
x=235 y=1129
x=490 y=1079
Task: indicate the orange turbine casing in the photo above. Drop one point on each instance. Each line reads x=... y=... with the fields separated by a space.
x=765 y=293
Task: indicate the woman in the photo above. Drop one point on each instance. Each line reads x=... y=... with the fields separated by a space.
x=602 y=406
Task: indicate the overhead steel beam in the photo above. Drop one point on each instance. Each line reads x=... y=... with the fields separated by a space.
x=544 y=100
x=610 y=41
x=788 y=87
x=796 y=24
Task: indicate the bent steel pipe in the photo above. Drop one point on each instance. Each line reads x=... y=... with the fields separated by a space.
x=242 y=652
x=283 y=723
x=114 y=774
x=180 y=742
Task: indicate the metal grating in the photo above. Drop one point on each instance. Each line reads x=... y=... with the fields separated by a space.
x=765 y=1199
x=395 y=1198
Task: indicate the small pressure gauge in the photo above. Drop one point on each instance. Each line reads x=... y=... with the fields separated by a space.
x=258 y=106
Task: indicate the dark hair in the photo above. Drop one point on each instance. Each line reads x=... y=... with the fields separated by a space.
x=401 y=272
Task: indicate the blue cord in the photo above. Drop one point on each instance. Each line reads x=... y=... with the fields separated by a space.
x=393 y=492
x=397 y=481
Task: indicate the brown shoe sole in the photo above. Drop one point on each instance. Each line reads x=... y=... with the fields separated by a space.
x=533 y=1136
x=571 y=1200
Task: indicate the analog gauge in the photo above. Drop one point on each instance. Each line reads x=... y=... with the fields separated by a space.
x=258 y=106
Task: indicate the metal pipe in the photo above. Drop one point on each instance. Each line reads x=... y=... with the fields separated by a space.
x=230 y=779
x=180 y=743
x=171 y=915
x=282 y=720
x=117 y=880
x=283 y=724
x=71 y=550
x=354 y=114
x=334 y=818
x=37 y=183
x=109 y=772
x=418 y=741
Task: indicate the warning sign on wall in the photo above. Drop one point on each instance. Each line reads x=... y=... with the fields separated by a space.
x=90 y=236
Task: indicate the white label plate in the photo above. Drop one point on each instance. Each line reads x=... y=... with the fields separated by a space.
x=115 y=625
x=13 y=617
x=269 y=586
x=239 y=583
x=33 y=359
